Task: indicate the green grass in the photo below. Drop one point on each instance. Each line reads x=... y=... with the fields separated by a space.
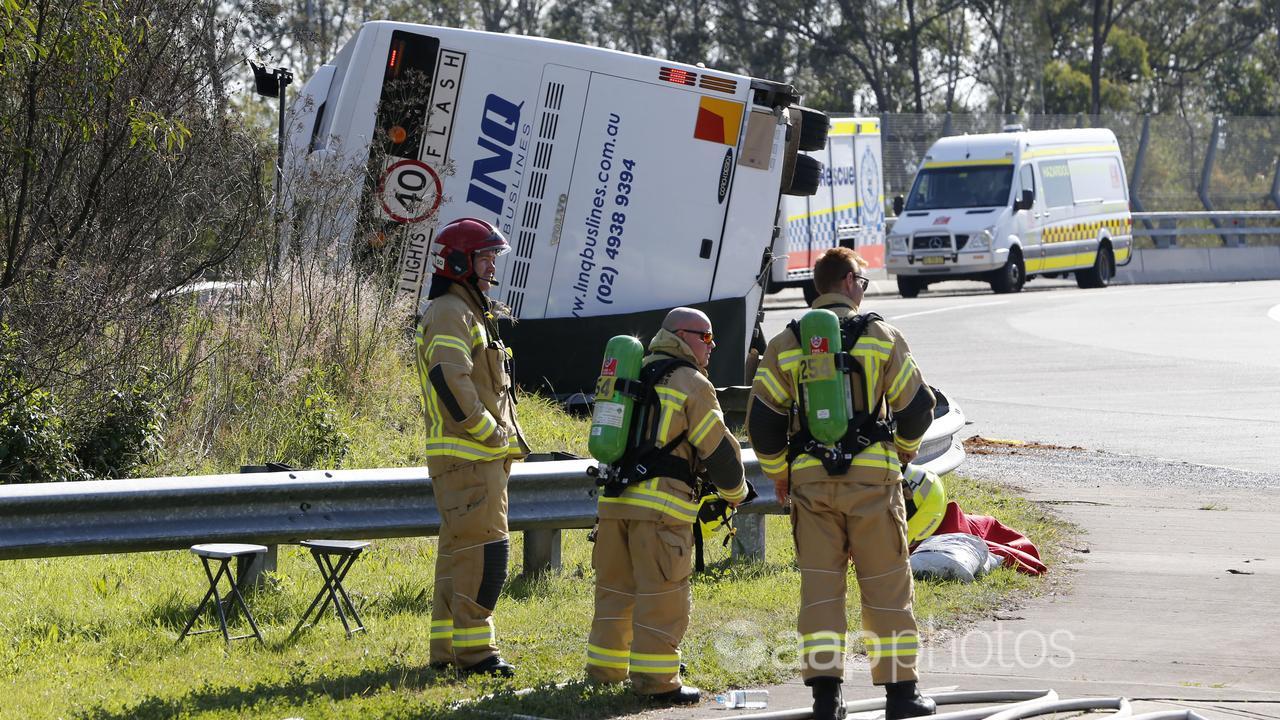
x=94 y=637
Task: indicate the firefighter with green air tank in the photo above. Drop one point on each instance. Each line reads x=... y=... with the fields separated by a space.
x=657 y=425
x=862 y=409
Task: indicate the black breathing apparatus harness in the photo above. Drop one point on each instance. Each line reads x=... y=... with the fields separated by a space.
x=865 y=427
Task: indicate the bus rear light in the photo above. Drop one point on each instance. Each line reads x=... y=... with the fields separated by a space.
x=677 y=76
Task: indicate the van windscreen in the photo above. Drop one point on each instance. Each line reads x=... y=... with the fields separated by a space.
x=967 y=186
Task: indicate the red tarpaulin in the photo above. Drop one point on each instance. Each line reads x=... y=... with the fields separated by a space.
x=1017 y=551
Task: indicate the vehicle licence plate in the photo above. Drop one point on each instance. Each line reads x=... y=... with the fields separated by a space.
x=935 y=260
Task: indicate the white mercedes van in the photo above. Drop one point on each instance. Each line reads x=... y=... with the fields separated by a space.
x=1004 y=207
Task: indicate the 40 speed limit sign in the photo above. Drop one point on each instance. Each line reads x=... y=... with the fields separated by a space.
x=409 y=191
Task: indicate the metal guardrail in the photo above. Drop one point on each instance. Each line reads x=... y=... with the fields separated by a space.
x=170 y=513
x=1165 y=226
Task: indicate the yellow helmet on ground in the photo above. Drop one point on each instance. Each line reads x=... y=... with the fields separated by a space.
x=926 y=500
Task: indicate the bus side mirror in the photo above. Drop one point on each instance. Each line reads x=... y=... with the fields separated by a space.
x=1025 y=201
x=898 y=204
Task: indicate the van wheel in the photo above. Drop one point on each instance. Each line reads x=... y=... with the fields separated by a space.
x=909 y=287
x=810 y=292
x=1098 y=276
x=814 y=127
x=808 y=174
x=1009 y=279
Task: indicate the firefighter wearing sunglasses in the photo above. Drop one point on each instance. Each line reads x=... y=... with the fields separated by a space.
x=846 y=501
x=643 y=555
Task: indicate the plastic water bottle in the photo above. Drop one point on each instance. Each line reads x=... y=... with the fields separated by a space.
x=734 y=699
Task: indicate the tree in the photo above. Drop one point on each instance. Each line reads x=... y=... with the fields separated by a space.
x=123 y=176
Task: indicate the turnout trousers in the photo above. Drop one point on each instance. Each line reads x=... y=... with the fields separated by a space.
x=642 y=603
x=835 y=520
x=471 y=565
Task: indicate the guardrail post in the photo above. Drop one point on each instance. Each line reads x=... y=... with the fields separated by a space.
x=1166 y=241
x=250 y=571
x=541 y=551
x=748 y=537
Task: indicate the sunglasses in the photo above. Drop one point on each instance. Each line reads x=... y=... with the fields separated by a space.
x=862 y=280
x=705 y=335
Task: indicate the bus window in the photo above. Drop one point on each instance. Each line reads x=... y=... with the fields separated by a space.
x=1056 y=177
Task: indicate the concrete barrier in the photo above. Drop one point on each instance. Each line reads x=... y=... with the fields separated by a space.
x=1216 y=264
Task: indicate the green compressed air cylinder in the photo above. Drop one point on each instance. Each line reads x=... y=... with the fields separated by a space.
x=826 y=389
x=611 y=419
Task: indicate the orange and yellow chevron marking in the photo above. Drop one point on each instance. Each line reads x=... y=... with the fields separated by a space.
x=1086 y=231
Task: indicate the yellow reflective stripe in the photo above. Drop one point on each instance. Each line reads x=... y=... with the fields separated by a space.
x=904 y=444
x=655 y=500
x=789 y=359
x=465 y=449
x=900 y=646
x=672 y=394
x=968 y=163
x=771 y=385
x=618 y=664
x=655 y=663
x=703 y=428
x=1080 y=150
x=477 y=336
x=607 y=657
x=734 y=495
x=448 y=341
x=655 y=656
x=872 y=457
x=484 y=427
x=472 y=637
x=774 y=465
x=822 y=641
x=671 y=402
x=441 y=629
x=900 y=382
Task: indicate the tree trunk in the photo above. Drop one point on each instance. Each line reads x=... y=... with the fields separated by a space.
x=1100 y=15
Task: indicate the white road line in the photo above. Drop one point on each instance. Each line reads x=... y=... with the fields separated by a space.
x=947 y=309
x=1274 y=313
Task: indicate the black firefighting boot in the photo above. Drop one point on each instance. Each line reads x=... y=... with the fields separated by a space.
x=903 y=700
x=828 y=704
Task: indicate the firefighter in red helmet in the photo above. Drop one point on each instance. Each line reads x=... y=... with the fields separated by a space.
x=472 y=439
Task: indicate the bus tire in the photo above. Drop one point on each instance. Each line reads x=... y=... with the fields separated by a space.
x=909 y=287
x=1010 y=278
x=807 y=176
x=814 y=127
x=1098 y=276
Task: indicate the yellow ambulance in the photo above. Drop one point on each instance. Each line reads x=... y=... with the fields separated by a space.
x=1004 y=207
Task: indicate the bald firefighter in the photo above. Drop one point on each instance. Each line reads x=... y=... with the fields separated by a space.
x=846 y=501
x=644 y=536
x=472 y=438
